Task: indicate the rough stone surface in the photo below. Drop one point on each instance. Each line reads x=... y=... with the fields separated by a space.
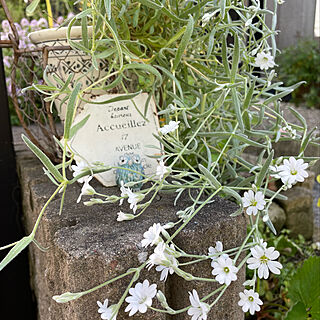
x=299 y=211
x=87 y=246
x=308 y=183
x=277 y=216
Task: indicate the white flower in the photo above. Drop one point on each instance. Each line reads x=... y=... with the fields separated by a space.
x=124 y=216
x=173 y=125
x=224 y=270
x=123 y=190
x=253 y=202
x=249 y=300
x=198 y=310
x=141 y=297
x=78 y=169
x=281 y=1
x=106 y=312
x=215 y=252
x=163 y=257
x=86 y=189
x=162 y=170
x=133 y=199
x=292 y=171
x=152 y=236
x=288 y=129
x=264 y=61
x=262 y=260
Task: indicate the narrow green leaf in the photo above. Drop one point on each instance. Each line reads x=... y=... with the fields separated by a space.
x=75 y=128
x=68 y=296
x=212 y=179
x=237 y=108
x=107 y=5
x=224 y=55
x=223 y=8
x=306 y=140
x=84 y=26
x=115 y=99
x=264 y=169
x=183 y=44
x=43 y=158
x=145 y=67
x=211 y=42
x=66 y=84
x=22 y=244
x=173 y=78
x=299 y=117
x=176 y=37
x=151 y=4
x=277 y=96
x=115 y=38
x=271 y=226
x=32 y=7
x=235 y=59
x=72 y=104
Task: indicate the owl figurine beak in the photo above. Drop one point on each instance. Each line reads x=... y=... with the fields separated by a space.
x=130 y=162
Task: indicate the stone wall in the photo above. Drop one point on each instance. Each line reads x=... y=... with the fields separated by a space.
x=87 y=246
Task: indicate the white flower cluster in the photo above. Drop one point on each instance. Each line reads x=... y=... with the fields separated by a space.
x=290 y=171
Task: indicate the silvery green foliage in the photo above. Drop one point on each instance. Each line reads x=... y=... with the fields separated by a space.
x=209 y=66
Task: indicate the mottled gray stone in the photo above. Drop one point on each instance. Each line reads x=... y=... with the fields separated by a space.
x=87 y=246
x=299 y=211
x=277 y=216
x=308 y=183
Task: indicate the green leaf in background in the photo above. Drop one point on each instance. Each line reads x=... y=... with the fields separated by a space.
x=297 y=312
x=32 y=7
x=305 y=284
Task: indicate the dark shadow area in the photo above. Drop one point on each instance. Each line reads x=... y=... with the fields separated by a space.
x=16 y=297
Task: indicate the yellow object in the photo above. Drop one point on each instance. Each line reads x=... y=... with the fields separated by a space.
x=50 y=17
x=318 y=178
x=318 y=203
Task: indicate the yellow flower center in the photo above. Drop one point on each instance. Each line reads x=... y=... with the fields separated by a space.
x=265 y=59
x=250 y=299
x=226 y=270
x=253 y=203
x=264 y=259
x=293 y=172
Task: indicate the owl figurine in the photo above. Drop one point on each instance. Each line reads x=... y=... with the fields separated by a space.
x=133 y=162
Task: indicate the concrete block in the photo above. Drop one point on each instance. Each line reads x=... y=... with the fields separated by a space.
x=87 y=246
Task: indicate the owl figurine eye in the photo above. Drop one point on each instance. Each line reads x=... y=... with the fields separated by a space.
x=122 y=160
x=136 y=159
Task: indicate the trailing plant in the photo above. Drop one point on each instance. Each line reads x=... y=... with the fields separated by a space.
x=212 y=81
